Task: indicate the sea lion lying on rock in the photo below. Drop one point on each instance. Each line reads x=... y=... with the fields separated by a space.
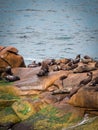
x=82 y=83
x=87 y=80
x=34 y=64
x=94 y=82
x=86 y=59
x=11 y=78
x=8 y=75
x=84 y=68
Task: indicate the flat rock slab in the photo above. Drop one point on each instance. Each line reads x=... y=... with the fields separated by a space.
x=30 y=81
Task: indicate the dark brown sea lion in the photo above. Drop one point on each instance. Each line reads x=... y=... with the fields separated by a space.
x=94 y=82
x=87 y=80
x=71 y=66
x=8 y=70
x=8 y=75
x=62 y=78
x=44 y=69
x=77 y=59
x=45 y=66
x=78 y=56
x=52 y=62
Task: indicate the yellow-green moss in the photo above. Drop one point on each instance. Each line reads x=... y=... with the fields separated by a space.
x=50 y=118
x=8 y=115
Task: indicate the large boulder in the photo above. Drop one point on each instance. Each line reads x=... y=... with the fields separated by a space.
x=86 y=97
x=9 y=57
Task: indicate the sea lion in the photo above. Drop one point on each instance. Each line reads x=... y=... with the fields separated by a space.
x=78 y=56
x=86 y=59
x=77 y=59
x=8 y=75
x=42 y=73
x=57 y=68
x=71 y=66
x=83 y=82
x=11 y=78
x=84 y=68
x=45 y=66
x=94 y=82
x=8 y=70
x=62 y=78
x=34 y=64
x=44 y=69
x=52 y=62
x=87 y=80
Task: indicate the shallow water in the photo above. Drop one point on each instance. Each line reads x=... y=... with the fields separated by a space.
x=42 y=29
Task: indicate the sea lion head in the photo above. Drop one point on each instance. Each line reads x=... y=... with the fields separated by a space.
x=8 y=70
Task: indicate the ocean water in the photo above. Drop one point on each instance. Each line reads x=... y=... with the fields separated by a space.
x=42 y=29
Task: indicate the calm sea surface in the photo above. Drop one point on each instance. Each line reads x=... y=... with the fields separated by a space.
x=42 y=29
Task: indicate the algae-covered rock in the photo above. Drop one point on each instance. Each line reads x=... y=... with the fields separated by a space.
x=8 y=95
x=8 y=115
x=23 y=109
x=52 y=118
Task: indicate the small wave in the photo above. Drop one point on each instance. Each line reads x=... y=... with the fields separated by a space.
x=39 y=43
x=63 y=38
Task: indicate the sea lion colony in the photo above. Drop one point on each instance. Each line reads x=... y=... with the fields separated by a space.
x=76 y=65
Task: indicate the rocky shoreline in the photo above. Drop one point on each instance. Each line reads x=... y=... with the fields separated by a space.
x=53 y=94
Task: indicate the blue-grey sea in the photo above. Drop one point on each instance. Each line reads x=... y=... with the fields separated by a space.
x=42 y=29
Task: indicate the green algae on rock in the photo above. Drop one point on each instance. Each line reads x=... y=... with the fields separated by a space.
x=8 y=115
x=23 y=109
